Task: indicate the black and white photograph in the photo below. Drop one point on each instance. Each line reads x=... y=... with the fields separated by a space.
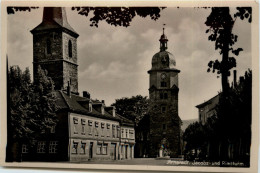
x=167 y=86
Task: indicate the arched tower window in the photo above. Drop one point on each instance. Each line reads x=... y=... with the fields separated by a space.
x=48 y=44
x=70 y=49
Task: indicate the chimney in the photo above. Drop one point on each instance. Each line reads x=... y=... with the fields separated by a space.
x=111 y=110
x=68 y=89
x=235 y=78
x=103 y=101
x=86 y=94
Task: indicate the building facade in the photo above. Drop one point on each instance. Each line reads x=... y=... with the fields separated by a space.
x=159 y=136
x=87 y=129
x=208 y=108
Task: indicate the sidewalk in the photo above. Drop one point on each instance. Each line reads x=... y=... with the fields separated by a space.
x=135 y=161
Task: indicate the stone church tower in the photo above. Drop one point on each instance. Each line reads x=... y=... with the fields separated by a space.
x=55 y=48
x=163 y=92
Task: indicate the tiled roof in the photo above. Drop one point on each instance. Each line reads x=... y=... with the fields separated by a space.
x=125 y=121
x=72 y=103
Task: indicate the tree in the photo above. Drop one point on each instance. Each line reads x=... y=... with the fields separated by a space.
x=234 y=123
x=220 y=23
x=195 y=136
x=133 y=108
x=116 y=16
x=44 y=105
x=32 y=107
x=227 y=134
x=20 y=92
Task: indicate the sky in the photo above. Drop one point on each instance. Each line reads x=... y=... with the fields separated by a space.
x=113 y=61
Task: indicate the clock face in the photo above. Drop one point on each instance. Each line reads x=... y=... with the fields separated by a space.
x=163 y=75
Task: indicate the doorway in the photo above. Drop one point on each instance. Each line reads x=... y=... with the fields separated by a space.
x=126 y=147
x=113 y=152
x=91 y=150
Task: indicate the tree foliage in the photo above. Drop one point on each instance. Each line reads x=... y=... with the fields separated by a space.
x=13 y=10
x=238 y=107
x=133 y=108
x=220 y=23
x=32 y=105
x=231 y=125
x=116 y=16
x=194 y=135
x=20 y=101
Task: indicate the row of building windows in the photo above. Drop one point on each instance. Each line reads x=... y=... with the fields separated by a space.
x=41 y=147
x=127 y=133
x=96 y=131
x=49 y=50
x=101 y=148
x=103 y=131
x=90 y=123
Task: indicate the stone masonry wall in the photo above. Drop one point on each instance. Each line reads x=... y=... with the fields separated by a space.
x=61 y=68
x=70 y=73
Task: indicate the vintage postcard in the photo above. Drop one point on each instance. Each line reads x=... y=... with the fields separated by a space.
x=158 y=86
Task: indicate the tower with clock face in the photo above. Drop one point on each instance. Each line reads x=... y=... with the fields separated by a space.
x=164 y=121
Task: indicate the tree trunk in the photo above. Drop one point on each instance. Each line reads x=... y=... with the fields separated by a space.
x=224 y=62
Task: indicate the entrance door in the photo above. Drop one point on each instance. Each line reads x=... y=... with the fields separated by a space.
x=113 y=152
x=130 y=150
x=126 y=147
x=91 y=150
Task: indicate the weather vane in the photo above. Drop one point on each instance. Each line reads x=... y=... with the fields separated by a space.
x=163 y=27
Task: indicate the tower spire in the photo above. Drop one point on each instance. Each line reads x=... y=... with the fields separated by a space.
x=54 y=17
x=163 y=28
x=163 y=41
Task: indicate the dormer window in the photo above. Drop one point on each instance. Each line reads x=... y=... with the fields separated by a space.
x=70 y=48
x=48 y=46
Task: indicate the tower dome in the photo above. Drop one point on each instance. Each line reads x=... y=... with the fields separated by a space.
x=163 y=59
